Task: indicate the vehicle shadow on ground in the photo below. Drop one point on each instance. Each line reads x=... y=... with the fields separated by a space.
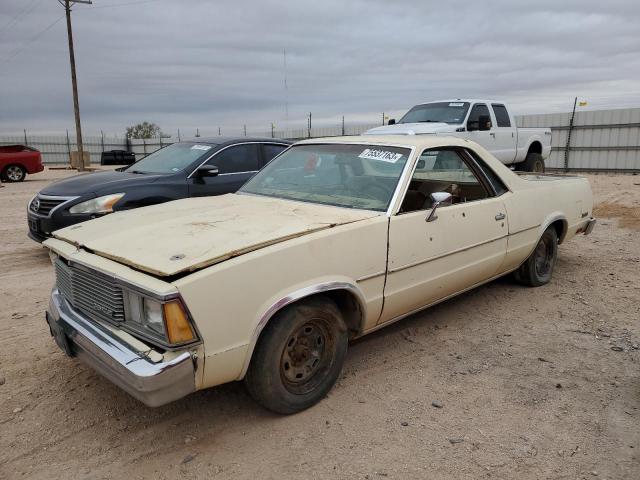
x=220 y=405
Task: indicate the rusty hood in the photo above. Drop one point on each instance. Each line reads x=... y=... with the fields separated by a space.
x=190 y=234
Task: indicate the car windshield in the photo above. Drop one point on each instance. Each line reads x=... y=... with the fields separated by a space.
x=442 y=112
x=172 y=159
x=344 y=175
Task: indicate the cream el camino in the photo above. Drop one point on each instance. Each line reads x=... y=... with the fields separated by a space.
x=333 y=239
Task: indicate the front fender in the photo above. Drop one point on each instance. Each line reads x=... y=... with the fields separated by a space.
x=283 y=298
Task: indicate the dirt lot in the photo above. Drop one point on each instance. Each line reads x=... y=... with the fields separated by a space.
x=533 y=383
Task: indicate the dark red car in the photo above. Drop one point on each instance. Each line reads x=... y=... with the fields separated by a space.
x=18 y=160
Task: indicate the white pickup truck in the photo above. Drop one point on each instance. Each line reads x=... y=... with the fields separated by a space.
x=486 y=122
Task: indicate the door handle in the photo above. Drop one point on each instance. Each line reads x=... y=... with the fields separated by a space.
x=492 y=134
x=500 y=216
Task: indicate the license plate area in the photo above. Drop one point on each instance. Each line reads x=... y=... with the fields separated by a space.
x=59 y=336
x=34 y=225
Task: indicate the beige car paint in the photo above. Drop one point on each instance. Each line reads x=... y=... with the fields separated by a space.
x=249 y=253
x=431 y=260
x=194 y=233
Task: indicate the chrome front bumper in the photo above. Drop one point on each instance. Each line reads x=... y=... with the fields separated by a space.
x=152 y=383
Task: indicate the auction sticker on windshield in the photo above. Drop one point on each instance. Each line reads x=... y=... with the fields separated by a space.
x=201 y=147
x=382 y=155
x=456 y=104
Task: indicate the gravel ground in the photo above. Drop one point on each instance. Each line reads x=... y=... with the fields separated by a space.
x=501 y=382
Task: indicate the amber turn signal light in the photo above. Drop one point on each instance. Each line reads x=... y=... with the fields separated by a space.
x=178 y=327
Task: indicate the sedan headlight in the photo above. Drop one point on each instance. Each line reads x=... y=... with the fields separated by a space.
x=165 y=322
x=102 y=204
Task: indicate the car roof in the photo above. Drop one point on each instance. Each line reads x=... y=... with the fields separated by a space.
x=469 y=100
x=223 y=141
x=410 y=141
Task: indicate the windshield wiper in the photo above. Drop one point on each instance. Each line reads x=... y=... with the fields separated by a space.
x=136 y=171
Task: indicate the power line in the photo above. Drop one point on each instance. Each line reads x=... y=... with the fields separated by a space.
x=31 y=40
x=16 y=19
x=120 y=4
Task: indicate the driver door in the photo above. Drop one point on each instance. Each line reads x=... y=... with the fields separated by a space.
x=236 y=164
x=476 y=131
x=464 y=246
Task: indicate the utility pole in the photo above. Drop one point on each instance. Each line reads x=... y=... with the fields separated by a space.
x=74 y=84
x=566 y=150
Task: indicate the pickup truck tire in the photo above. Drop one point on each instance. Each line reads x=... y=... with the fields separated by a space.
x=13 y=173
x=299 y=356
x=532 y=163
x=538 y=268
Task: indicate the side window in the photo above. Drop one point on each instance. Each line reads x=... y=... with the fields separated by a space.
x=478 y=110
x=270 y=150
x=240 y=158
x=492 y=176
x=502 y=116
x=441 y=171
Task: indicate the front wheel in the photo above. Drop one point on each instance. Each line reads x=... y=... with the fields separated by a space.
x=299 y=356
x=14 y=173
x=538 y=268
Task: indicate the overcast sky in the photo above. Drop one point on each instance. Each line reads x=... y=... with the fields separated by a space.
x=197 y=63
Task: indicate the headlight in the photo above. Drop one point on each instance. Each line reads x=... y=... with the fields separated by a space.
x=102 y=204
x=166 y=323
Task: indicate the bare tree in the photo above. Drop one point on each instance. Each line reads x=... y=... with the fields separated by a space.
x=144 y=130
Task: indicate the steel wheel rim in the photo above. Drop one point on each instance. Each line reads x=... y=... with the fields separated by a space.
x=306 y=356
x=14 y=173
x=543 y=256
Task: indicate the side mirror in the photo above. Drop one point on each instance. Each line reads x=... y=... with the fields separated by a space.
x=484 y=123
x=392 y=121
x=438 y=199
x=207 y=171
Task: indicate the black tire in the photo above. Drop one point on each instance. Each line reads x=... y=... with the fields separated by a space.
x=532 y=163
x=538 y=268
x=14 y=173
x=299 y=356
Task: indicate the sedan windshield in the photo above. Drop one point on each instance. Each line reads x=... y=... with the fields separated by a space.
x=173 y=158
x=352 y=176
x=441 y=112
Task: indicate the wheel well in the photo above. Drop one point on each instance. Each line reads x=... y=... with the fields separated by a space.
x=14 y=165
x=535 y=147
x=561 y=229
x=349 y=306
x=346 y=301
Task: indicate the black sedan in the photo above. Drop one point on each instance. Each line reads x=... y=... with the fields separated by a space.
x=195 y=168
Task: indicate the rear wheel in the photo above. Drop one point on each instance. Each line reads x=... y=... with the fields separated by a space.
x=538 y=268
x=532 y=163
x=298 y=357
x=14 y=173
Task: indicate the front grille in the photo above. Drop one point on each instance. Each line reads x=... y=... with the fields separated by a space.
x=90 y=292
x=43 y=205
